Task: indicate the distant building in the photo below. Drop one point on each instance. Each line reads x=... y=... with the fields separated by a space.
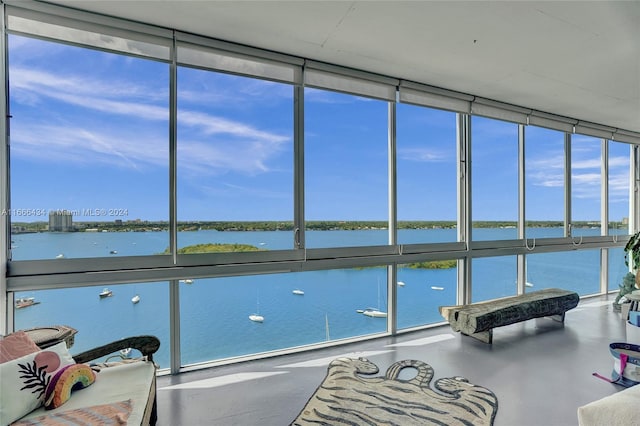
x=60 y=221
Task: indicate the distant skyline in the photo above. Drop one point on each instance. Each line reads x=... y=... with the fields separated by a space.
x=90 y=130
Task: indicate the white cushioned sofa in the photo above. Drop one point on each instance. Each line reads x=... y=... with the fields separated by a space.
x=619 y=409
x=123 y=392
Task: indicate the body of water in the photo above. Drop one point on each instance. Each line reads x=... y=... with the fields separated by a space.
x=214 y=311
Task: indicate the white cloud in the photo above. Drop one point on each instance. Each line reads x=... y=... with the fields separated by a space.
x=216 y=144
x=422 y=155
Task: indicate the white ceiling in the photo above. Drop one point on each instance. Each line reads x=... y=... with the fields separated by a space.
x=579 y=59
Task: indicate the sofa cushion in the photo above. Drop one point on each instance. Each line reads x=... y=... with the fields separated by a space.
x=135 y=381
x=23 y=381
x=105 y=414
x=16 y=345
x=619 y=409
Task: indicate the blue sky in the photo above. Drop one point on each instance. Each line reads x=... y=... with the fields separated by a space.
x=90 y=130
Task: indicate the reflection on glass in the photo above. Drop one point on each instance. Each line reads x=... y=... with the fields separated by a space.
x=422 y=288
x=89 y=152
x=494 y=162
x=544 y=182
x=426 y=175
x=493 y=277
x=346 y=173
x=102 y=314
x=296 y=309
x=585 y=184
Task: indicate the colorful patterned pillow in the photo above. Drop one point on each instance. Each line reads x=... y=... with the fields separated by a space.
x=116 y=413
x=24 y=380
x=67 y=379
x=16 y=345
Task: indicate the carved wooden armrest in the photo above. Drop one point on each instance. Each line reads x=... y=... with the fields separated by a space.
x=147 y=345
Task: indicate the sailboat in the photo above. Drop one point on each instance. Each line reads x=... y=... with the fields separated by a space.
x=257 y=317
x=326 y=327
x=373 y=312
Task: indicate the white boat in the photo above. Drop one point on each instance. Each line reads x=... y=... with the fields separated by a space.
x=187 y=281
x=256 y=318
x=374 y=313
x=113 y=252
x=106 y=293
x=298 y=292
x=125 y=352
x=60 y=256
x=326 y=327
x=401 y=283
x=135 y=299
x=24 y=302
x=433 y=287
x=528 y=284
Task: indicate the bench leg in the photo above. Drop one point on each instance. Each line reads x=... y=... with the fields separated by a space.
x=483 y=336
x=559 y=318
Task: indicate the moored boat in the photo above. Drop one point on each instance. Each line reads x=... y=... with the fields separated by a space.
x=135 y=299
x=298 y=292
x=374 y=313
x=256 y=318
x=105 y=293
x=24 y=302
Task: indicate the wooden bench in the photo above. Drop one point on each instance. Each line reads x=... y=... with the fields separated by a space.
x=479 y=319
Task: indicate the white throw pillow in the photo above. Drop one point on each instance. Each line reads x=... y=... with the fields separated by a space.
x=23 y=381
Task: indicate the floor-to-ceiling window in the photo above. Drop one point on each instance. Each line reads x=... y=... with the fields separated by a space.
x=262 y=202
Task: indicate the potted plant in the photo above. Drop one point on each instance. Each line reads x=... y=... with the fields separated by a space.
x=632 y=255
x=627 y=286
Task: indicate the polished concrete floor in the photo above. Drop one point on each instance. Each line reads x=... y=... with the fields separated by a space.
x=540 y=370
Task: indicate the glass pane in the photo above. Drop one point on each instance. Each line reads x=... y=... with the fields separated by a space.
x=494 y=163
x=346 y=173
x=544 y=182
x=100 y=320
x=219 y=311
x=235 y=161
x=89 y=152
x=493 y=277
x=619 y=187
x=617 y=269
x=575 y=270
x=426 y=174
x=585 y=185
x=422 y=288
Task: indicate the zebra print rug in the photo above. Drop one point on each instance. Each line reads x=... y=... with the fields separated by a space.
x=347 y=397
